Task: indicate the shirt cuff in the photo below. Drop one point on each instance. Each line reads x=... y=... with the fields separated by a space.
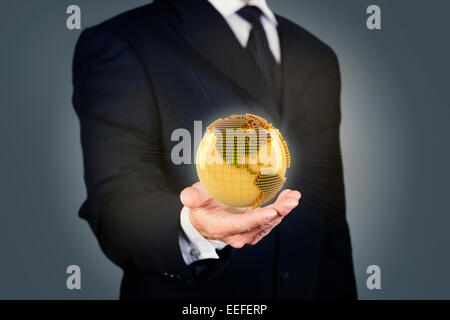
x=193 y=245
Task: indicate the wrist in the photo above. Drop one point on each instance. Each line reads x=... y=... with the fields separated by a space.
x=191 y=213
x=193 y=245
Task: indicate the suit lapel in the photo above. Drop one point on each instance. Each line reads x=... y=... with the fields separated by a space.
x=207 y=33
x=295 y=70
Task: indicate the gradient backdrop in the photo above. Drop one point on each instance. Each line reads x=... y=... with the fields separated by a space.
x=394 y=137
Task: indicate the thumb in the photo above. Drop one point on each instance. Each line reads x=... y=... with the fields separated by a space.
x=192 y=198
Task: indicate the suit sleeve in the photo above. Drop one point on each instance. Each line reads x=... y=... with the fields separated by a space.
x=322 y=178
x=337 y=279
x=129 y=206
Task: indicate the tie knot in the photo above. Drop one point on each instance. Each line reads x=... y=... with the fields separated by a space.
x=250 y=13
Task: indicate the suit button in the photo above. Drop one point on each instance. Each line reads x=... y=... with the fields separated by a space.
x=284 y=275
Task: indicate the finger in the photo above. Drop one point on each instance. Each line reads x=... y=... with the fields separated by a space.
x=238 y=223
x=262 y=233
x=240 y=239
x=192 y=198
x=296 y=194
x=283 y=194
x=289 y=193
x=286 y=202
x=287 y=205
x=237 y=241
x=257 y=238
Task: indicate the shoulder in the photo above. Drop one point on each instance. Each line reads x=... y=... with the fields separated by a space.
x=306 y=43
x=123 y=27
x=113 y=37
x=125 y=22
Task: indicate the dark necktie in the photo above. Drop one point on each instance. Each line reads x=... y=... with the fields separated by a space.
x=258 y=48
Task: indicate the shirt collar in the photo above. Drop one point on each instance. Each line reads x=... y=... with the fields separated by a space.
x=229 y=7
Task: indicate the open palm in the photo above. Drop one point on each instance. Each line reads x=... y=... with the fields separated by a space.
x=235 y=226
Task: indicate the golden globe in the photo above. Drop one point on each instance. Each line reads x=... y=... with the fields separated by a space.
x=242 y=160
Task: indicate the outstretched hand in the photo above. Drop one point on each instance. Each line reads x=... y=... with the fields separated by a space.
x=235 y=226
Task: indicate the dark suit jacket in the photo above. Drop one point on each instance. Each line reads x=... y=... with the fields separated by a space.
x=141 y=75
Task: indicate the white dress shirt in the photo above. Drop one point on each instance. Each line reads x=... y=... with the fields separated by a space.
x=192 y=244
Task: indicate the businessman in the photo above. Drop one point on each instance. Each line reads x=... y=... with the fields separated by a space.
x=145 y=73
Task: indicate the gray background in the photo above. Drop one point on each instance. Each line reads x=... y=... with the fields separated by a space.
x=394 y=137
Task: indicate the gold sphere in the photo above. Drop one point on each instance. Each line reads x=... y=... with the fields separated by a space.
x=242 y=160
